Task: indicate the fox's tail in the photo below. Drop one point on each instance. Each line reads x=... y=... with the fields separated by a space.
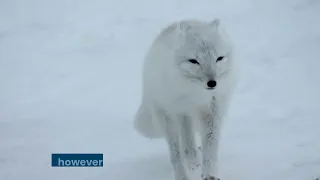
x=144 y=123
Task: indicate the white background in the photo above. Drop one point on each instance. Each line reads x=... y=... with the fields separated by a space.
x=70 y=81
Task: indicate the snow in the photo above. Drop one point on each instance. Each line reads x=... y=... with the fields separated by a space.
x=70 y=75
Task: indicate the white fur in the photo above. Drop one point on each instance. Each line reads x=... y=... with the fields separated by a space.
x=176 y=103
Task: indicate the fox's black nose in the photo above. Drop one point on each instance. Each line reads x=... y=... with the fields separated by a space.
x=211 y=84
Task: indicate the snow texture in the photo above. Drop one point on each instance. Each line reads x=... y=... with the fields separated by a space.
x=70 y=82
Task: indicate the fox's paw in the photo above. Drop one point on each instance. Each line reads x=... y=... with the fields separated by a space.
x=209 y=178
x=193 y=166
x=193 y=160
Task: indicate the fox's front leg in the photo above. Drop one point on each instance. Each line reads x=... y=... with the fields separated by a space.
x=171 y=128
x=210 y=133
x=188 y=143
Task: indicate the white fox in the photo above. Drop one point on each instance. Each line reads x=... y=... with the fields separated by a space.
x=188 y=80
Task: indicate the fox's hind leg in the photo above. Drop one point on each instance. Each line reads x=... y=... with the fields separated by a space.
x=188 y=142
x=170 y=125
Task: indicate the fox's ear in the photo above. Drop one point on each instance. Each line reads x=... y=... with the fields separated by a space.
x=183 y=26
x=215 y=23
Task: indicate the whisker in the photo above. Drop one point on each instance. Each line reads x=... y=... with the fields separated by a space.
x=222 y=75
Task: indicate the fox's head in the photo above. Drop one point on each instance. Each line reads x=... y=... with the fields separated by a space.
x=204 y=54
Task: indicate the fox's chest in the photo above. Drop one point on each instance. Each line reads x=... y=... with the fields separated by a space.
x=186 y=102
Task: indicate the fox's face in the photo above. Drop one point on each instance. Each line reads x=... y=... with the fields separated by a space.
x=203 y=57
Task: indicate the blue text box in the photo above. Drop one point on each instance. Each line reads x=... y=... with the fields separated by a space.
x=77 y=160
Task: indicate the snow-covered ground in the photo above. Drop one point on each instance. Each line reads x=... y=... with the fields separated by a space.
x=70 y=81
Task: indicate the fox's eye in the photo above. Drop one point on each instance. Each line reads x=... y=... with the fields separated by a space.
x=220 y=58
x=193 y=61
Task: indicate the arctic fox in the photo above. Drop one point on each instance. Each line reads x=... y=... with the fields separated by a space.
x=188 y=80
